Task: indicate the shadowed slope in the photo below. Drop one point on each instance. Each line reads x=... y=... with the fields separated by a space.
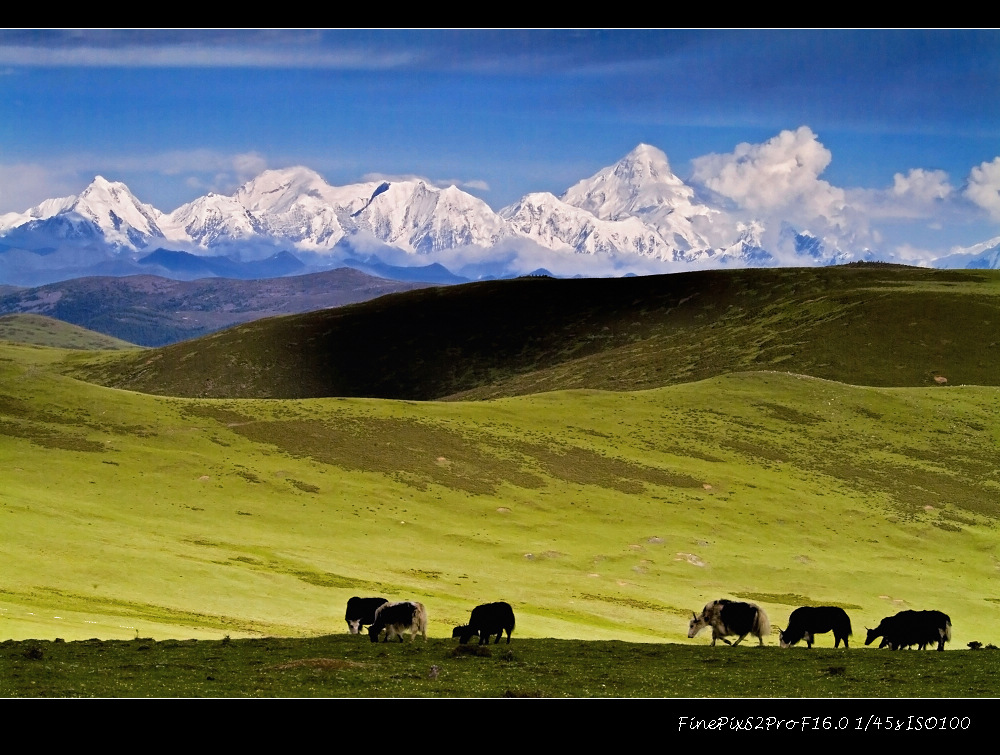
x=864 y=325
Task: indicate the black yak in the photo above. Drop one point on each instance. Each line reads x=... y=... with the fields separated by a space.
x=808 y=621
x=906 y=628
x=485 y=621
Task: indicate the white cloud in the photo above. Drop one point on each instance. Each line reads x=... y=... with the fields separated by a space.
x=781 y=173
x=778 y=182
x=918 y=195
x=249 y=165
x=908 y=254
x=24 y=185
x=243 y=166
x=396 y=177
x=779 y=177
x=229 y=172
x=177 y=173
x=984 y=187
x=203 y=170
x=199 y=49
x=923 y=186
x=474 y=184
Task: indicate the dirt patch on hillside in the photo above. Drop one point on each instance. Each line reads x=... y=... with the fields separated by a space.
x=690 y=558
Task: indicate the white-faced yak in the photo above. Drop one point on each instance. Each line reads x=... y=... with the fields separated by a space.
x=361 y=612
x=729 y=617
x=397 y=619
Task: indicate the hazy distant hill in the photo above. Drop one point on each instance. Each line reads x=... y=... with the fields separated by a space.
x=153 y=311
x=875 y=325
x=186 y=266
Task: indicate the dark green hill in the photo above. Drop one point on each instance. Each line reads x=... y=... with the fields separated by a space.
x=872 y=325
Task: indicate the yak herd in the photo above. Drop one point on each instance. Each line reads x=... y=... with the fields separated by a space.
x=906 y=629
x=397 y=619
x=727 y=618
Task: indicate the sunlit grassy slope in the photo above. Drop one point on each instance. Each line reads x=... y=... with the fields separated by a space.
x=867 y=325
x=46 y=331
x=596 y=514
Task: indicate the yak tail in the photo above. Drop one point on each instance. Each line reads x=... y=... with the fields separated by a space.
x=947 y=631
x=762 y=626
x=421 y=616
x=850 y=631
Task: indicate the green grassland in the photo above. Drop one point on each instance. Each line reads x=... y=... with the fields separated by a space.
x=46 y=331
x=347 y=666
x=599 y=515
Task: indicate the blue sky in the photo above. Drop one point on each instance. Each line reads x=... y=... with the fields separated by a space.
x=897 y=129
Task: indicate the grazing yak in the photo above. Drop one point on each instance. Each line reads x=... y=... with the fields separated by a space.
x=485 y=621
x=907 y=628
x=361 y=612
x=398 y=619
x=729 y=617
x=808 y=621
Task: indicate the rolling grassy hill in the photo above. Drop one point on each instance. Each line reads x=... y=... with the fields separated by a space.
x=869 y=325
x=47 y=331
x=714 y=468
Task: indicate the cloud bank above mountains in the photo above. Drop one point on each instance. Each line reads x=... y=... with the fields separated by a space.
x=780 y=180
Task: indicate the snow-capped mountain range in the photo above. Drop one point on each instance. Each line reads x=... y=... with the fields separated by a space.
x=635 y=216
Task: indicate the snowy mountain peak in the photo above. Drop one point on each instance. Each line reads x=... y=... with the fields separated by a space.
x=642 y=185
x=112 y=192
x=646 y=162
x=640 y=181
x=103 y=194
x=111 y=206
x=211 y=219
x=420 y=218
x=275 y=189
